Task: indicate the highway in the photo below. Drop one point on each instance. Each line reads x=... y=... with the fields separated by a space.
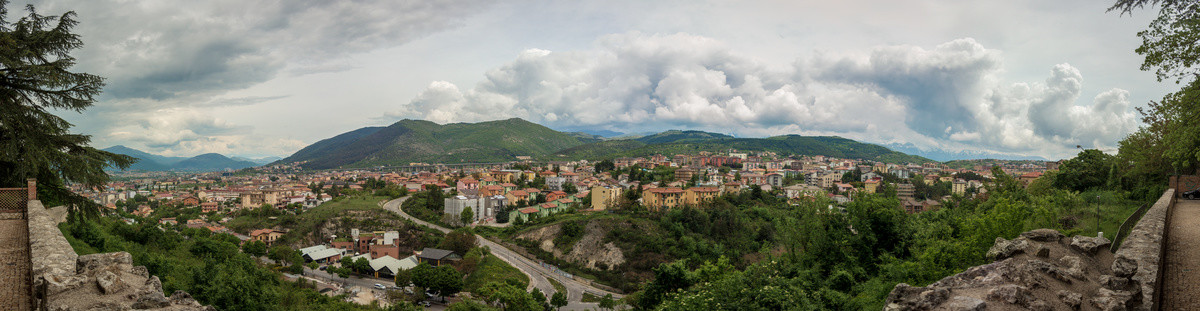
x=537 y=274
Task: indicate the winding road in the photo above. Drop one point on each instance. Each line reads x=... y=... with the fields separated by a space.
x=537 y=274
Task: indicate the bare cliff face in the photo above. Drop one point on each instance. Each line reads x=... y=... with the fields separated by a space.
x=1039 y=270
x=590 y=251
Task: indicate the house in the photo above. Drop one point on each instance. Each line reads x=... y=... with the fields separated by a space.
x=327 y=255
x=191 y=201
x=482 y=207
x=388 y=266
x=555 y=195
x=959 y=187
x=796 y=191
x=604 y=198
x=697 y=195
x=268 y=236
x=168 y=221
x=208 y=207
x=437 y=257
x=662 y=197
x=775 y=180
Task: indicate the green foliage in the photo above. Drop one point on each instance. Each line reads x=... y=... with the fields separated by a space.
x=460 y=241
x=491 y=269
x=35 y=79
x=558 y=300
x=410 y=141
x=255 y=248
x=508 y=296
x=466 y=217
x=787 y=144
x=1088 y=170
x=206 y=265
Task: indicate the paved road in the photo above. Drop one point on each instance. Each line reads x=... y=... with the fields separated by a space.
x=1180 y=283
x=537 y=274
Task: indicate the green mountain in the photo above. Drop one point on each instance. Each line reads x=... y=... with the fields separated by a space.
x=685 y=143
x=680 y=136
x=410 y=141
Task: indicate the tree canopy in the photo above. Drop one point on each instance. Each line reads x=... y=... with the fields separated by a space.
x=35 y=78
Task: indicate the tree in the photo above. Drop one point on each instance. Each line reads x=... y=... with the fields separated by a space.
x=558 y=300
x=1088 y=170
x=460 y=241
x=605 y=165
x=1170 y=141
x=34 y=80
x=445 y=281
x=540 y=298
x=467 y=216
x=608 y=303
x=403 y=278
x=255 y=248
x=508 y=296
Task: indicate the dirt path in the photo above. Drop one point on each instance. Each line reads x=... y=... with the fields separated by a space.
x=1181 y=273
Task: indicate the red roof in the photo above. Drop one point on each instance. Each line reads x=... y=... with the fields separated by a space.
x=548 y=205
x=705 y=189
x=528 y=210
x=666 y=190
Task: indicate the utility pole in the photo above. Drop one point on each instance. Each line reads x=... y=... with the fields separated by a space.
x=1097 y=215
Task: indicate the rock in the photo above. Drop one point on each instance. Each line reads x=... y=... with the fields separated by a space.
x=109 y=282
x=140 y=271
x=906 y=297
x=1072 y=299
x=1123 y=266
x=1009 y=293
x=1112 y=300
x=1074 y=266
x=92 y=263
x=1005 y=248
x=182 y=298
x=1043 y=235
x=151 y=300
x=1114 y=282
x=965 y=304
x=1049 y=269
x=1088 y=245
x=1043 y=251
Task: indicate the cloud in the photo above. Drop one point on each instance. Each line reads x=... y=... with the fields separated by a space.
x=948 y=97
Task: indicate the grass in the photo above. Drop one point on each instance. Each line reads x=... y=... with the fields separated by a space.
x=492 y=269
x=557 y=286
x=588 y=297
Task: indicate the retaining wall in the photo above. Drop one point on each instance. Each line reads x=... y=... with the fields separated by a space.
x=1144 y=246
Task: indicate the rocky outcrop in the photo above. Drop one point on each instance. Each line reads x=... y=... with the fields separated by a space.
x=590 y=251
x=106 y=281
x=1038 y=270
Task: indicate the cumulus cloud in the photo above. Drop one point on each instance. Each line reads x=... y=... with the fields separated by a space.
x=949 y=96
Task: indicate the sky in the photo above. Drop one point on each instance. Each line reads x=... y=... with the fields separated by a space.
x=266 y=78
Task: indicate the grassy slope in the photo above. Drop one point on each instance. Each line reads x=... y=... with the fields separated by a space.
x=492 y=269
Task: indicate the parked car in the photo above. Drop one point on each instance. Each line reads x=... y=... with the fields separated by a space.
x=425 y=304
x=1192 y=195
x=379 y=286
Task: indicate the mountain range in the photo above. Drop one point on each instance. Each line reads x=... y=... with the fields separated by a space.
x=417 y=141
x=205 y=162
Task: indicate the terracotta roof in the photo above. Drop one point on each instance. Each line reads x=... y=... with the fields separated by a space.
x=665 y=190
x=528 y=210
x=705 y=189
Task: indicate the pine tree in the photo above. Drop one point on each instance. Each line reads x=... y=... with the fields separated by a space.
x=34 y=78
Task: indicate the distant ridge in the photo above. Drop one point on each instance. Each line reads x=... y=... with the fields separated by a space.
x=205 y=162
x=412 y=141
x=409 y=141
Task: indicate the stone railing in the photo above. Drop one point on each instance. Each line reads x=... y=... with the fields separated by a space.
x=1141 y=254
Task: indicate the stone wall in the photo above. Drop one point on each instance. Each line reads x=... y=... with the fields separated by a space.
x=1141 y=253
x=67 y=281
